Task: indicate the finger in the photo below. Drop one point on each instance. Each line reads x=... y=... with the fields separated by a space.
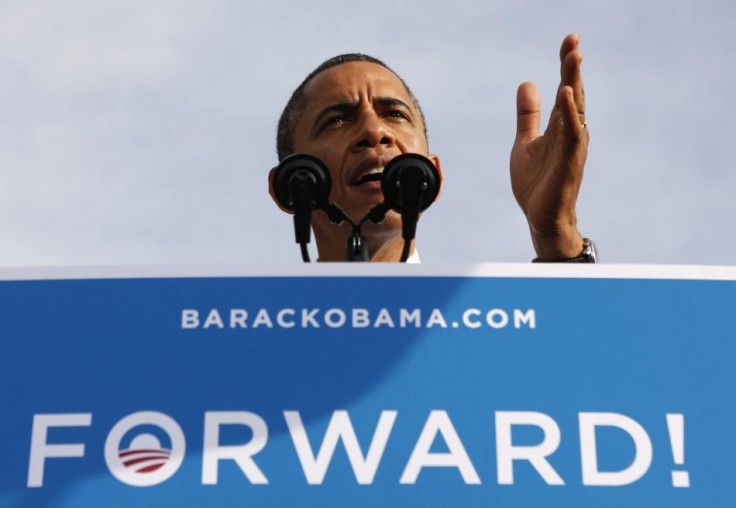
x=572 y=77
x=569 y=43
x=572 y=123
x=527 y=112
x=570 y=61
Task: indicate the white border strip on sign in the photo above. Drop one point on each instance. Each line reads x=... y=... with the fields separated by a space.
x=529 y=270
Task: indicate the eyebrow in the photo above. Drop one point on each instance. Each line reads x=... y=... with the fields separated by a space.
x=347 y=106
x=340 y=107
x=388 y=102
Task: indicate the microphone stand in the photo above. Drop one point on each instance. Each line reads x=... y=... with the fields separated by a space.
x=356 y=249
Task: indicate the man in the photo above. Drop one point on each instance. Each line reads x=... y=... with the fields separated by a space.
x=356 y=114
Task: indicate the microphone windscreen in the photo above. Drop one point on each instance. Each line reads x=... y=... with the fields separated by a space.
x=301 y=163
x=426 y=179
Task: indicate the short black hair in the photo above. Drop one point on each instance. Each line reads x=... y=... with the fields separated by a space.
x=295 y=106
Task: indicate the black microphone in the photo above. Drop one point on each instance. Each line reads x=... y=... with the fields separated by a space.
x=410 y=183
x=301 y=184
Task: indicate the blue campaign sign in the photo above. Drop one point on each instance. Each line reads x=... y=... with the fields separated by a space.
x=486 y=385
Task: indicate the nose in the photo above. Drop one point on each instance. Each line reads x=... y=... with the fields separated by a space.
x=372 y=132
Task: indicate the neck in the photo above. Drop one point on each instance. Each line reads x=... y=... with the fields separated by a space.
x=384 y=245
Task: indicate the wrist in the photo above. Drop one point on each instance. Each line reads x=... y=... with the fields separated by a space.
x=588 y=254
x=562 y=245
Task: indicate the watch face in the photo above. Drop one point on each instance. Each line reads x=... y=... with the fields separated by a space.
x=589 y=251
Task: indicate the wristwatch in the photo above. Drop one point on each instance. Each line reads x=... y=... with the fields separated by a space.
x=589 y=255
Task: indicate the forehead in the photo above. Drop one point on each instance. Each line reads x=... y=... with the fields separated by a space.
x=352 y=81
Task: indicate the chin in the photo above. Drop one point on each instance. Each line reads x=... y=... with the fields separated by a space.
x=390 y=225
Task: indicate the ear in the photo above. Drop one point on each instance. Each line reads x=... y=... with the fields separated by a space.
x=272 y=193
x=436 y=161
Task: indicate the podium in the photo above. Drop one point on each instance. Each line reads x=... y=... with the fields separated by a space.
x=368 y=385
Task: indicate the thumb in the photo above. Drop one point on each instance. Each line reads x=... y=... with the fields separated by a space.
x=527 y=112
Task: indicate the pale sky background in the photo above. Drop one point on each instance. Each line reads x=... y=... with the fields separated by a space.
x=141 y=132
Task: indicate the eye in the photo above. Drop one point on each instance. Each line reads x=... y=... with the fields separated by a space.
x=334 y=120
x=396 y=113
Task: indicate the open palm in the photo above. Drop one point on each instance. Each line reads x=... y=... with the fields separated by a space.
x=547 y=170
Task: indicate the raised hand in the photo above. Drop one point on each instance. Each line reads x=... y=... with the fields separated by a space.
x=547 y=170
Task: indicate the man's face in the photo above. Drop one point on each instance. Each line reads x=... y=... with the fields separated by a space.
x=357 y=116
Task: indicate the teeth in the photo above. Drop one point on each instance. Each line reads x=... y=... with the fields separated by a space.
x=370 y=175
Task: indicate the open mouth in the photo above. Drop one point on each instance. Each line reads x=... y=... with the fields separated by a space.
x=373 y=175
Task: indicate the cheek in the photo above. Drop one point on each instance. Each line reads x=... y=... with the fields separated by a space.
x=335 y=162
x=409 y=140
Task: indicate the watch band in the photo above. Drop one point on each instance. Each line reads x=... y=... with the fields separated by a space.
x=589 y=255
